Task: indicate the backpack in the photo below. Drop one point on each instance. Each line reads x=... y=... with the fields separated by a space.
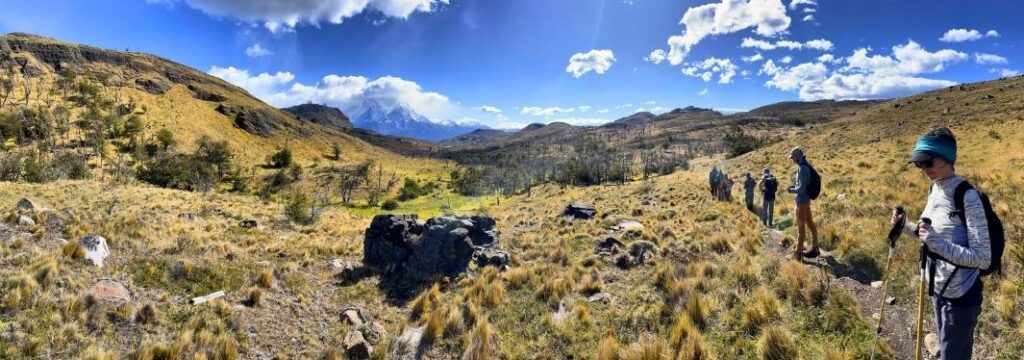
x=996 y=235
x=771 y=186
x=813 y=188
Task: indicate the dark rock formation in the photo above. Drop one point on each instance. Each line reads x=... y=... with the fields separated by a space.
x=579 y=211
x=254 y=121
x=402 y=248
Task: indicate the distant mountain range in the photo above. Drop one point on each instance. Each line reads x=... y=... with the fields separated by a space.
x=401 y=120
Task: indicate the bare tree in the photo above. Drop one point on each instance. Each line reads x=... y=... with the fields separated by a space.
x=378 y=183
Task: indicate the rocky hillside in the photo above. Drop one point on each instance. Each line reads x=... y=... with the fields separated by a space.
x=320 y=114
x=168 y=95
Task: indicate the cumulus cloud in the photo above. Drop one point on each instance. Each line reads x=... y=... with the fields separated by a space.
x=1004 y=72
x=961 y=35
x=257 y=51
x=754 y=58
x=795 y=3
x=707 y=68
x=488 y=109
x=808 y=17
x=865 y=76
x=602 y=111
x=545 y=112
x=816 y=44
x=982 y=58
x=766 y=17
x=786 y=59
x=276 y=15
x=345 y=92
x=595 y=60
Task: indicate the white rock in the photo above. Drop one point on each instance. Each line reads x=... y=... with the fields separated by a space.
x=96 y=249
x=407 y=345
x=26 y=221
x=876 y=284
x=931 y=341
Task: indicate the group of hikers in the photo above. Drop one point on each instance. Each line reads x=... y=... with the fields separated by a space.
x=961 y=238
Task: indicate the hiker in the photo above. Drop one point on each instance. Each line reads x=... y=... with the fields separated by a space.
x=958 y=237
x=728 y=188
x=769 y=186
x=803 y=204
x=748 y=191
x=713 y=179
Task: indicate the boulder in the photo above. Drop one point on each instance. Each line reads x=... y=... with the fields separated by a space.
x=24 y=220
x=407 y=345
x=248 y=224
x=96 y=249
x=356 y=347
x=398 y=245
x=610 y=245
x=628 y=225
x=27 y=204
x=110 y=291
x=255 y=121
x=353 y=316
x=206 y=95
x=579 y=211
x=492 y=257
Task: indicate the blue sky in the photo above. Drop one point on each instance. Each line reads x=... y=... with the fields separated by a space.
x=581 y=61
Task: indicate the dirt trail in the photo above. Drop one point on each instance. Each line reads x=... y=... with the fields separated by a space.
x=898 y=331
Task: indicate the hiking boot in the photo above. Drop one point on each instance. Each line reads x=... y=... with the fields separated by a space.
x=813 y=253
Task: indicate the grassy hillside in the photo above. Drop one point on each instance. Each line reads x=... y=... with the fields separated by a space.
x=698 y=279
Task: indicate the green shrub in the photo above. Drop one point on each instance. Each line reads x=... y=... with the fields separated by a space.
x=280 y=159
x=389 y=204
x=299 y=208
x=179 y=172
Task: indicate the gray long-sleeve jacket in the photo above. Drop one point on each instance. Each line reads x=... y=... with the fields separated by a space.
x=964 y=244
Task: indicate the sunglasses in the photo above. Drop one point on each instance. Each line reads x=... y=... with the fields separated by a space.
x=925 y=164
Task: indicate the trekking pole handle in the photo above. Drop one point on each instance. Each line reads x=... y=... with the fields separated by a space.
x=897 y=228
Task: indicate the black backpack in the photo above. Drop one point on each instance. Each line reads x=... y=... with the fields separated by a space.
x=996 y=235
x=771 y=186
x=995 y=226
x=814 y=188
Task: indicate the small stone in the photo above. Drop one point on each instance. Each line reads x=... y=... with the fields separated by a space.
x=628 y=225
x=248 y=224
x=96 y=249
x=26 y=221
x=891 y=300
x=876 y=316
x=27 y=205
x=598 y=297
x=841 y=196
x=353 y=316
x=876 y=284
x=111 y=291
x=932 y=343
x=356 y=347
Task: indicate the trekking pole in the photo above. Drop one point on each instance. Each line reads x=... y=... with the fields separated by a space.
x=920 y=299
x=894 y=234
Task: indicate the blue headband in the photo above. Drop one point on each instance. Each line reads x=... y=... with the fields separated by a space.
x=938 y=146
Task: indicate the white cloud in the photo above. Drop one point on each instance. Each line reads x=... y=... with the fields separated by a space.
x=766 y=17
x=808 y=17
x=345 y=92
x=786 y=59
x=1004 y=72
x=656 y=56
x=753 y=58
x=597 y=61
x=624 y=106
x=650 y=102
x=982 y=58
x=488 y=109
x=263 y=85
x=810 y=10
x=545 y=112
x=703 y=92
x=583 y=108
x=827 y=58
x=577 y=121
x=257 y=51
x=816 y=44
x=865 y=77
x=708 y=67
x=795 y=3
x=277 y=15
x=603 y=111
x=961 y=35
